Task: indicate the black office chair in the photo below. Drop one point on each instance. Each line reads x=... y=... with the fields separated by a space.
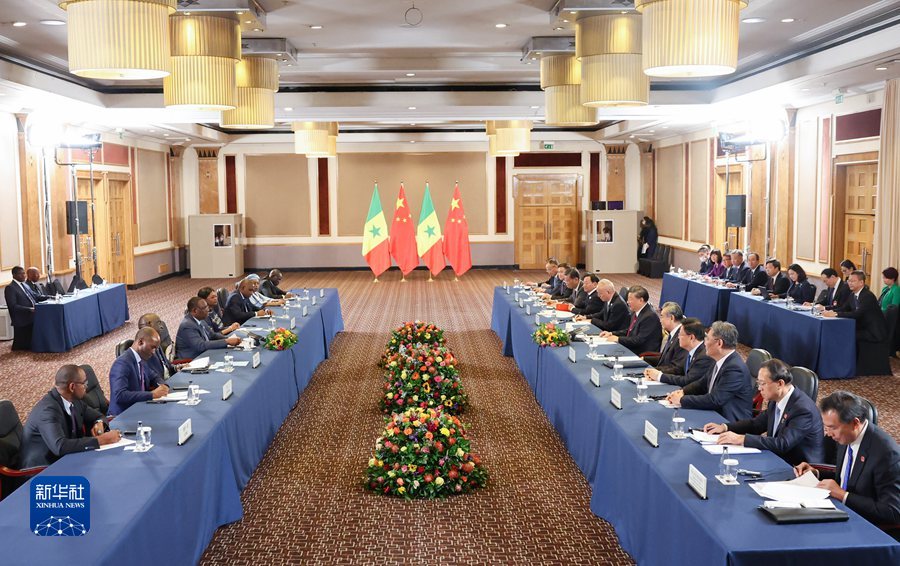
x=222 y=294
x=806 y=381
x=57 y=288
x=122 y=346
x=623 y=292
x=94 y=396
x=755 y=359
x=11 y=476
x=96 y=279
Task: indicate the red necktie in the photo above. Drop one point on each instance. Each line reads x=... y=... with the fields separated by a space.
x=630 y=326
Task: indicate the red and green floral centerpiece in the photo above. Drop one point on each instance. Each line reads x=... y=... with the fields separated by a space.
x=280 y=339
x=424 y=377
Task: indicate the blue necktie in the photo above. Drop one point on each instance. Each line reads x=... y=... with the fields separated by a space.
x=777 y=419
x=687 y=363
x=143 y=379
x=845 y=477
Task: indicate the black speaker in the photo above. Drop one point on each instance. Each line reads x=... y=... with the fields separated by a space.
x=735 y=211
x=598 y=205
x=82 y=217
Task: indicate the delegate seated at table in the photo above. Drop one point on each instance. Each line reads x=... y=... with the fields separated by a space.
x=790 y=427
x=569 y=289
x=195 y=337
x=726 y=387
x=159 y=363
x=613 y=315
x=801 y=290
x=214 y=320
x=592 y=303
x=258 y=299
x=862 y=306
x=671 y=355
x=867 y=472
x=269 y=286
x=776 y=283
x=644 y=332
x=756 y=275
x=239 y=309
x=21 y=301
x=696 y=363
x=740 y=269
x=835 y=294
x=728 y=267
x=130 y=380
x=551 y=266
x=62 y=423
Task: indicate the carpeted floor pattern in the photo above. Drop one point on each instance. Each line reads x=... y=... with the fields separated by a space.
x=306 y=503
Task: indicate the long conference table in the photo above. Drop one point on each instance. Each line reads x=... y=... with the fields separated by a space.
x=703 y=301
x=163 y=506
x=642 y=491
x=59 y=327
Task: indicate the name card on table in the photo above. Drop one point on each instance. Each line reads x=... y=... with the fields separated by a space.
x=507 y=289
x=615 y=398
x=227 y=390
x=595 y=377
x=572 y=356
x=651 y=435
x=293 y=323
x=697 y=481
x=305 y=311
x=254 y=363
x=528 y=310
x=314 y=299
x=322 y=293
x=184 y=432
x=521 y=303
x=537 y=320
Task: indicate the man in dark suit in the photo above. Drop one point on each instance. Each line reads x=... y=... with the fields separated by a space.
x=159 y=363
x=866 y=476
x=61 y=423
x=696 y=364
x=776 y=283
x=239 y=309
x=726 y=388
x=730 y=269
x=571 y=282
x=32 y=280
x=21 y=301
x=592 y=303
x=214 y=320
x=871 y=326
x=130 y=380
x=578 y=297
x=671 y=355
x=613 y=316
x=739 y=274
x=836 y=292
x=195 y=337
x=791 y=422
x=269 y=286
x=559 y=281
x=703 y=256
x=756 y=275
x=644 y=332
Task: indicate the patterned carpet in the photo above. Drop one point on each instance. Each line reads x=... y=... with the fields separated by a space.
x=307 y=503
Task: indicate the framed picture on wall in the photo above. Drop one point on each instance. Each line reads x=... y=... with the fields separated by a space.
x=604 y=231
x=222 y=237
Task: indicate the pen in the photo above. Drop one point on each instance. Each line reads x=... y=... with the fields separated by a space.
x=128 y=432
x=748 y=480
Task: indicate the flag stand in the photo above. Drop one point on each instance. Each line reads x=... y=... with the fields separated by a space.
x=430 y=278
x=456 y=279
x=403 y=279
x=375 y=280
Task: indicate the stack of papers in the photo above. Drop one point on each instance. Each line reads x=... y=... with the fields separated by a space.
x=798 y=492
x=703 y=437
x=646 y=381
x=717 y=449
x=198 y=363
x=120 y=444
x=179 y=395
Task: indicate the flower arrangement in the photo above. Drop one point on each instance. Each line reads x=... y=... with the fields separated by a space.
x=424 y=377
x=424 y=454
x=412 y=334
x=549 y=334
x=280 y=339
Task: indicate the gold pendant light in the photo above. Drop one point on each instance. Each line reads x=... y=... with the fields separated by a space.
x=330 y=149
x=690 y=38
x=609 y=47
x=561 y=81
x=311 y=138
x=257 y=83
x=513 y=135
x=119 y=40
x=205 y=50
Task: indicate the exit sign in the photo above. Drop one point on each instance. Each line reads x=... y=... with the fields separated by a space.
x=548 y=145
x=839 y=99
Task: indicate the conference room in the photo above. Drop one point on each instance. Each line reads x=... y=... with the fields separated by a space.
x=513 y=282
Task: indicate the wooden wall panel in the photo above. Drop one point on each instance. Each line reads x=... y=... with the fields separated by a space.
x=595 y=177
x=670 y=191
x=9 y=194
x=648 y=182
x=230 y=185
x=699 y=184
x=276 y=195
x=827 y=189
x=209 y=186
x=153 y=196
x=807 y=176
x=615 y=177
x=324 y=204
x=28 y=192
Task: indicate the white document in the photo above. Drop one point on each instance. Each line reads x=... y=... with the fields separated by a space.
x=562 y=315
x=179 y=395
x=704 y=438
x=666 y=404
x=120 y=444
x=198 y=363
x=241 y=364
x=717 y=449
x=783 y=491
x=634 y=380
x=630 y=358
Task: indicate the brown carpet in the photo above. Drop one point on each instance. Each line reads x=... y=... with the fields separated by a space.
x=307 y=503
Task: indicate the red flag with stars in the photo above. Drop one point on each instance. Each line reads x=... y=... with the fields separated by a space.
x=403 y=235
x=456 y=236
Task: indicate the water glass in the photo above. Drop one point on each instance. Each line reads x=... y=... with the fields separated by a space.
x=516 y=283
x=272 y=322
x=229 y=366
x=592 y=348
x=617 y=372
x=306 y=293
x=193 y=396
x=677 y=426
x=642 y=396
x=142 y=442
x=728 y=469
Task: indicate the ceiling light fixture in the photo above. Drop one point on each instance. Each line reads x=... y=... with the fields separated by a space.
x=753 y=20
x=561 y=82
x=205 y=50
x=711 y=47
x=881 y=68
x=410 y=74
x=411 y=108
x=53 y=22
x=500 y=26
x=119 y=41
x=256 y=79
x=535 y=107
x=19 y=24
x=316 y=26
x=609 y=47
x=788 y=20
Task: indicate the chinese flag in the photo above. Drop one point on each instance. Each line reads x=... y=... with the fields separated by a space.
x=403 y=235
x=456 y=236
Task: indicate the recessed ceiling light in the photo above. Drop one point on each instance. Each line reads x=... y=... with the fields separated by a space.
x=652 y=131
x=565 y=21
x=412 y=123
x=19 y=24
x=753 y=20
x=804 y=90
x=152 y=131
x=788 y=20
x=165 y=135
x=187 y=13
x=557 y=29
x=53 y=22
x=288 y=109
x=411 y=108
x=187 y=139
x=410 y=74
x=239 y=13
x=248 y=21
x=257 y=29
x=289 y=65
x=881 y=68
x=665 y=127
x=500 y=26
x=535 y=107
x=316 y=26
x=412 y=141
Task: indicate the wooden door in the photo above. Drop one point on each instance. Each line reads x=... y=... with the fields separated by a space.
x=119 y=235
x=562 y=233
x=532 y=241
x=547 y=222
x=861 y=190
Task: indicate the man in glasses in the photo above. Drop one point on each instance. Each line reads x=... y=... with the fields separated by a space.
x=61 y=423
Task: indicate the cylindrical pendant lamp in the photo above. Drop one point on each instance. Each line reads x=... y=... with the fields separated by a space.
x=561 y=81
x=257 y=83
x=609 y=47
x=205 y=50
x=310 y=138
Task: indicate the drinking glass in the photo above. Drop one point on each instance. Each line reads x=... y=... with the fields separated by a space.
x=229 y=367
x=642 y=395
x=677 y=426
x=142 y=443
x=592 y=348
x=617 y=372
x=193 y=394
x=729 y=469
x=272 y=322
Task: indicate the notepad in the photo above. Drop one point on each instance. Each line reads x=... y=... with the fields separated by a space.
x=120 y=444
x=717 y=449
x=198 y=363
x=703 y=437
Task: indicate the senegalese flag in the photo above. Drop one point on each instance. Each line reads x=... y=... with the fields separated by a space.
x=428 y=236
x=375 y=237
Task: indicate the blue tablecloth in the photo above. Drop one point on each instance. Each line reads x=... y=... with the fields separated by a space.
x=703 y=301
x=500 y=318
x=163 y=506
x=59 y=327
x=825 y=345
x=642 y=490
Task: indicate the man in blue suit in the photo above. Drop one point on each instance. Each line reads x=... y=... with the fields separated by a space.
x=791 y=421
x=726 y=388
x=130 y=380
x=195 y=337
x=239 y=309
x=20 y=300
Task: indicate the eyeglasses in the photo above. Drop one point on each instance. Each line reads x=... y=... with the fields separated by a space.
x=80 y=382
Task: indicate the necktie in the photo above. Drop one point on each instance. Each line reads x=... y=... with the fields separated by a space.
x=28 y=293
x=631 y=326
x=72 y=422
x=777 y=419
x=855 y=302
x=203 y=331
x=771 y=285
x=845 y=477
x=143 y=380
x=830 y=300
x=687 y=363
x=713 y=380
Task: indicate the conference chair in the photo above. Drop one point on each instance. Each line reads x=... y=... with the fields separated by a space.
x=11 y=476
x=755 y=359
x=122 y=346
x=654 y=267
x=77 y=283
x=806 y=381
x=96 y=279
x=623 y=292
x=57 y=288
x=222 y=294
x=94 y=396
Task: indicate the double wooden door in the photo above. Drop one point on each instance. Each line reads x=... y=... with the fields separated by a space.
x=112 y=199
x=860 y=196
x=547 y=222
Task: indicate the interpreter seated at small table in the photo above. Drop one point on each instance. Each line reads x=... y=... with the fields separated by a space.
x=790 y=427
x=866 y=476
x=269 y=286
x=726 y=387
x=696 y=364
x=644 y=332
x=62 y=423
x=214 y=320
x=130 y=380
x=195 y=337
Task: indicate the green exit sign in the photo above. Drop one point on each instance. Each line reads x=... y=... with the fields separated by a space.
x=548 y=145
